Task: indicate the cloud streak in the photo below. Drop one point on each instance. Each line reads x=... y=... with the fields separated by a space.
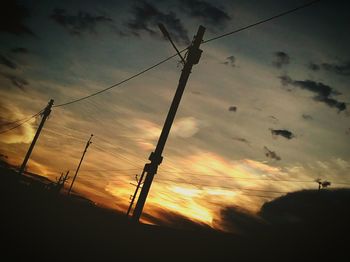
x=241 y=139
x=336 y=68
x=307 y=117
x=282 y=132
x=81 y=23
x=22 y=134
x=322 y=92
x=271 y=154
x=206 y=12
x=7 y=62
x=16 y=80
x=281 y=59
x=230 y=61
x=146 y=18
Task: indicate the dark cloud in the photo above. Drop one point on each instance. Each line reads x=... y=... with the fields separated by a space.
x=281 y=59
x=282 y=132
x=146 y=18
x=340 y=69
x=12 y=17
x=80 y=23
x=172 y=219
x=20 y=50
x=237 y=220
x=7 y=62
x=322 y=91
x=205 y=11
x=314 y=67
x=271 y=154
x=297 y=223
x=313 y=207
x=318 y=88
x=240 y=139
x=232 y=109
x=230 y=61
x=307 y=117
x=16 y=80
x=285 y=80
x=331 y=102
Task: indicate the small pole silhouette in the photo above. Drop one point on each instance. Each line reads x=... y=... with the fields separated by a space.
x=61 y=181
x=193 y=57
x=88 y=143
x=45 y=114
x=322 y=184
x=139 y=182
x=66 y=177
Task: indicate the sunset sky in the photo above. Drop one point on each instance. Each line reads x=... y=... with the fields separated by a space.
x=265 y=112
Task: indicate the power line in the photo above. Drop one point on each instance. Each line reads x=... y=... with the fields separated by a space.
x=15 y=122
x=22 y=123
x=253 y=178
x=110 y=170
x=222 y=176
x=117 y=156
x=208 y=185
x=220 y=186
x=201 y=184
x=121 y=82
x=263 y=21
x=170 y=57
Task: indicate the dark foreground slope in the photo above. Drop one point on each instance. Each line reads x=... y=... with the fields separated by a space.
x=37 y=224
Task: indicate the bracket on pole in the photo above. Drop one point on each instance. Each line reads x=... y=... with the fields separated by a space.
x=167 y=35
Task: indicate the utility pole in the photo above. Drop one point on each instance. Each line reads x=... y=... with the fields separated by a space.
x=65 y=177
x=194 y=54
x=136 y=190
x=88 y=143
x=61 y=182
x=45 y=114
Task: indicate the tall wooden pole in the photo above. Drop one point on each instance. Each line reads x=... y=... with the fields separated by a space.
x=194 y=54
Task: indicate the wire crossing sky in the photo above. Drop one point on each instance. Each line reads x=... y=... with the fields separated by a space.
x=206 y=41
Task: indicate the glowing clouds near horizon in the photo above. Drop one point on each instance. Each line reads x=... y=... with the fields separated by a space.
x=206 y=184
x=23 y=134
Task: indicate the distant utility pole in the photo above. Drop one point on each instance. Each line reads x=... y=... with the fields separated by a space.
x=88 y=143
x=194 y=54
x=45 y=114
x=139 y=182
x=65 y=177
x=61 y=181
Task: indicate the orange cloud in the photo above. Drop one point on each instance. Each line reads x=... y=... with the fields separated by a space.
x=22 y=134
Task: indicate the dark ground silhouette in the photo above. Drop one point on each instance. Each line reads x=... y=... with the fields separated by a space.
x=42 y=225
